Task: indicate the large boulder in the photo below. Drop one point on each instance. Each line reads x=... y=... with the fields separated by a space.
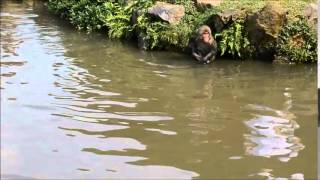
x=311 y=13
x=267 y=23
x=264 y=27
x=168 y=12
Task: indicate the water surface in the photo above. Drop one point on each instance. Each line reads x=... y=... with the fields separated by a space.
x=76 y=105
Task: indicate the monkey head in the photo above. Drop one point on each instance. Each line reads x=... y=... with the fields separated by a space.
x=204 y=34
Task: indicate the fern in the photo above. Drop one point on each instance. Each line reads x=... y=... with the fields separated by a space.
x=117 y=20
x=234 y=40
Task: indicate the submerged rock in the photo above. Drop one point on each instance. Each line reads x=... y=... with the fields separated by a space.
x=168 y=12
x=264 y=27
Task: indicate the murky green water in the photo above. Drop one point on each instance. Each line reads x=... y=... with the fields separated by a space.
x=79 y=106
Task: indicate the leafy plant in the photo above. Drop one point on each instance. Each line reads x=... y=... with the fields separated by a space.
x=177 y=35
x=117 y=20
x=85 y=14
x=150 y=31
x=234 y=39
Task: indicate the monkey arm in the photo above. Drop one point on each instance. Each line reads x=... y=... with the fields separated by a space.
x=210 y=56
x=195 y=53
x=197 y=56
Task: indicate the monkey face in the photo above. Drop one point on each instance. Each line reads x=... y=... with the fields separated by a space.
x=206 y=37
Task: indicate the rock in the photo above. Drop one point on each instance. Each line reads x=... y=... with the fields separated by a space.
x=267 y=22
x=311 y=13
x=134 y=16
x=204 y=4
x=264 y=27
x=279 y=60
x=218 y=22
x=168 y=12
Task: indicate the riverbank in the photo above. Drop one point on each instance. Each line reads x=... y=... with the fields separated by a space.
x=282 y=31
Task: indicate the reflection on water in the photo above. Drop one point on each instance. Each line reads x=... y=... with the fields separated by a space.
x=72 y=101
x=272 y=136
x=267 y=173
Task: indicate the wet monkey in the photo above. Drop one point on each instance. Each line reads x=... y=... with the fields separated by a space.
x=204 y=46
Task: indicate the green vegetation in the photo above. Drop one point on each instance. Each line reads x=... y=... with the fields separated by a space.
x=234 y=39
x=297 y=42
x=84 y=14
x=129 y=20
x=161 y=35
x=117 y=20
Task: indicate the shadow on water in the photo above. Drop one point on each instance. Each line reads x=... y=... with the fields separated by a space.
x=89 y=107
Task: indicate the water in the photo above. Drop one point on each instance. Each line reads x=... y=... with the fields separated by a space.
x=75 y=105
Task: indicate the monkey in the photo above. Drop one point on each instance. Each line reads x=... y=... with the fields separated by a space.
x=204 y=47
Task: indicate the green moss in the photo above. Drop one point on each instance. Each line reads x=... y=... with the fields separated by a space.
x=297 y=42
x=294 y=7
